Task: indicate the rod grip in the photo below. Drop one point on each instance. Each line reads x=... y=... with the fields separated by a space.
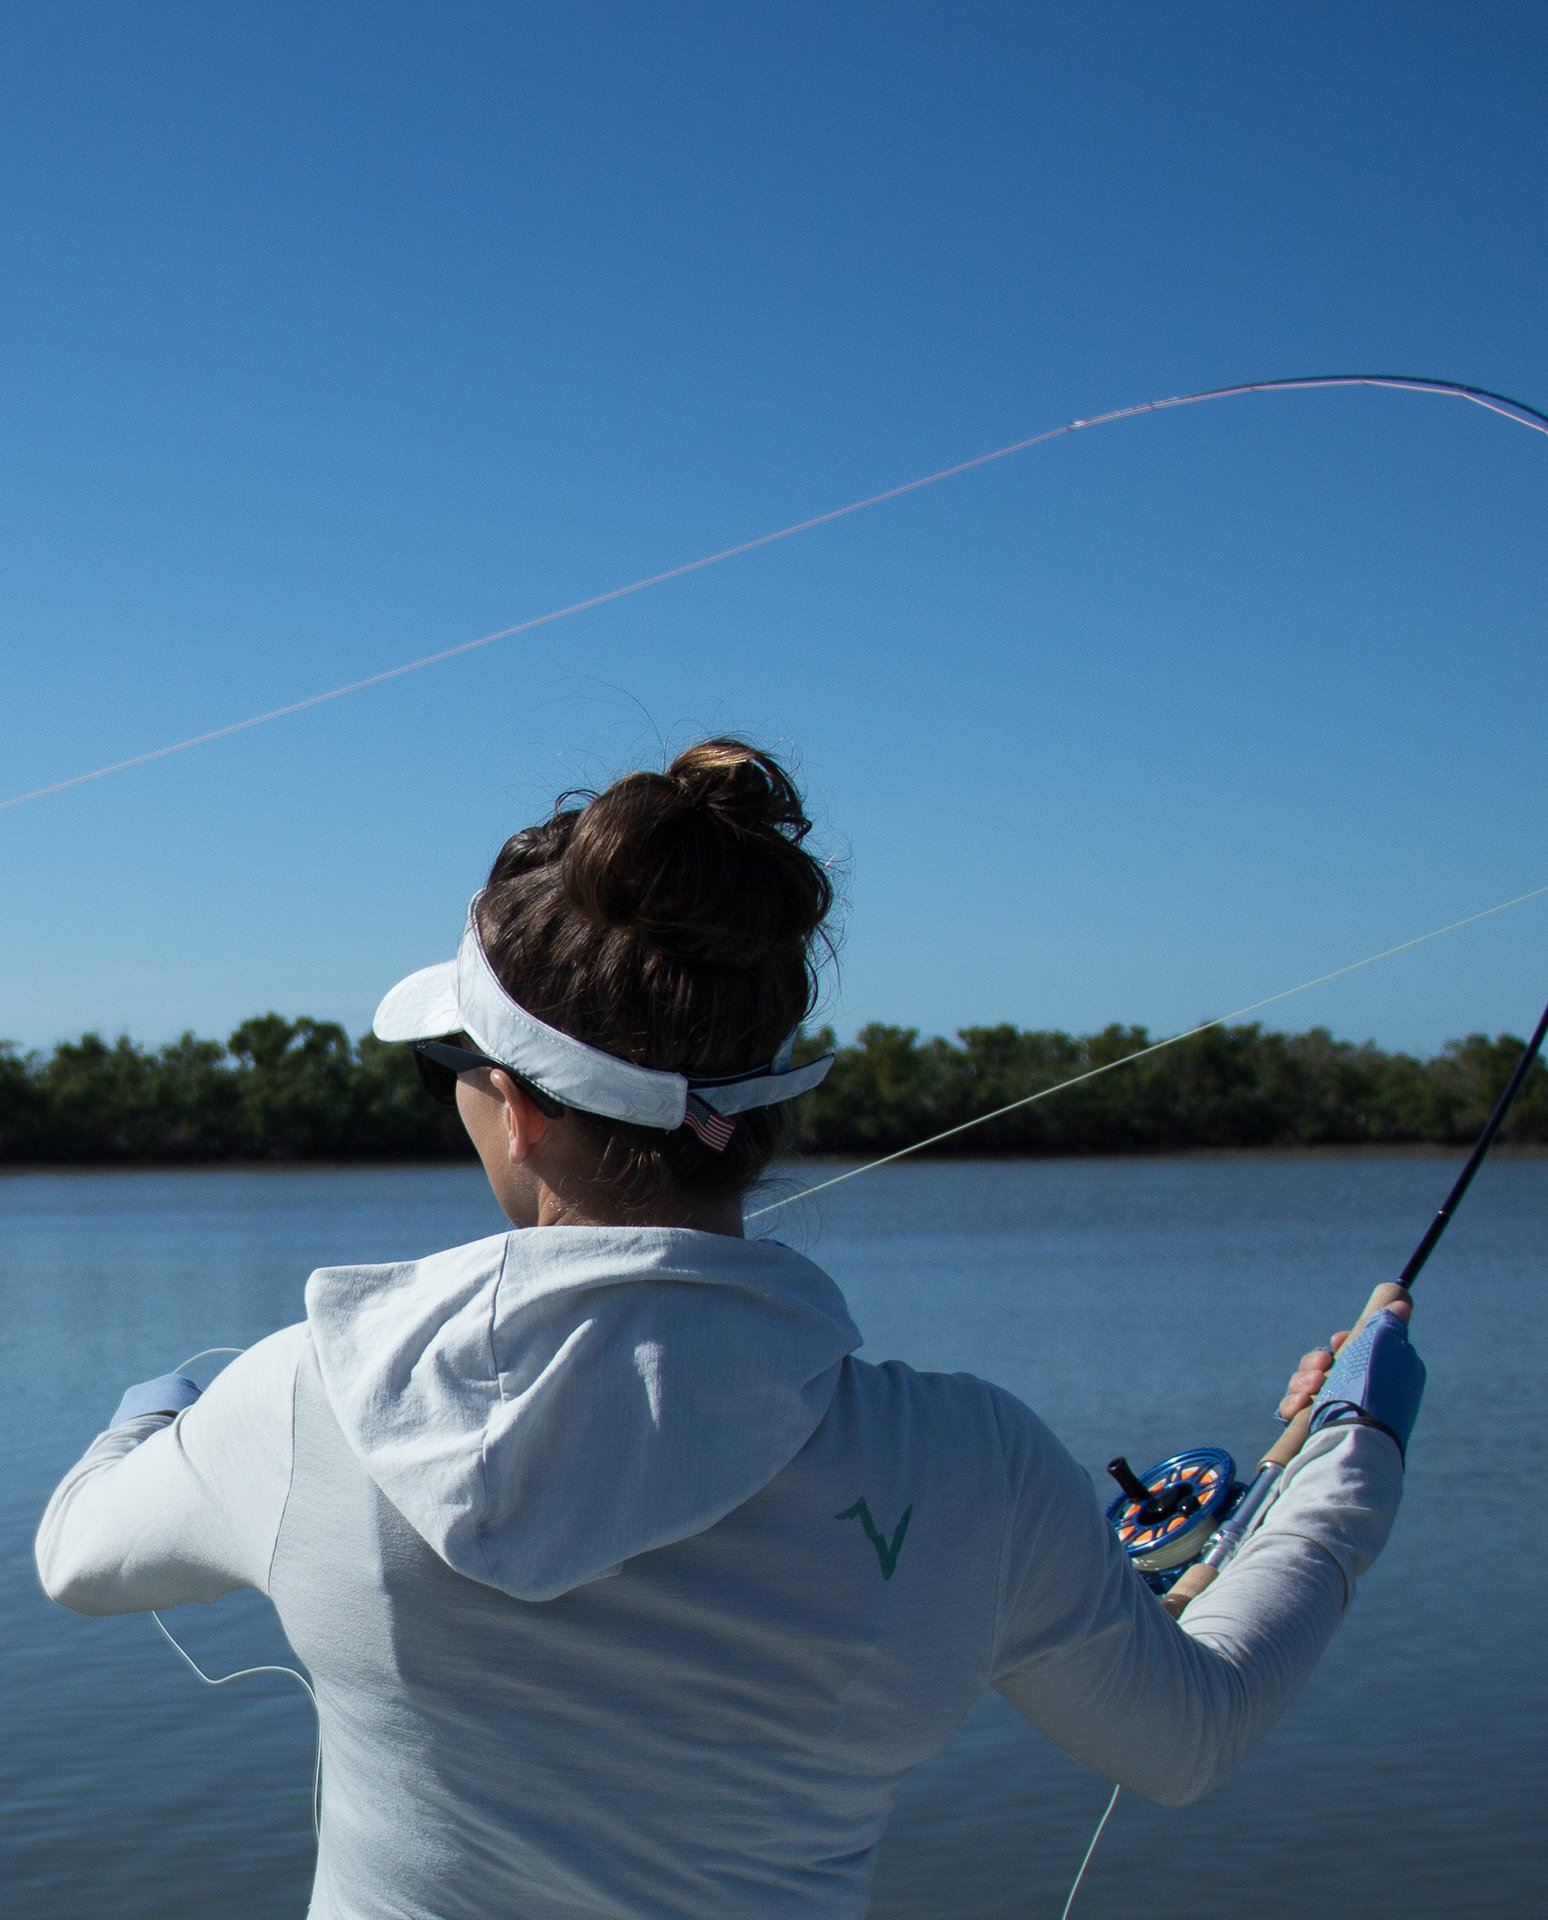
x=1291 y=1441
x=1188 y=1585
x=1192 y=1582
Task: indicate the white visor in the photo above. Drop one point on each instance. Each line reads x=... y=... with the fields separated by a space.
x=464 y=996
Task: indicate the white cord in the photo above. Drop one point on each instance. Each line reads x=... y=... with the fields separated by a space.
x=220 y=1679
x=1089 y=1851
x=202 y=1354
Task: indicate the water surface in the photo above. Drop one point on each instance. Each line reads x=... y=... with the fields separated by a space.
x=1139 y=1305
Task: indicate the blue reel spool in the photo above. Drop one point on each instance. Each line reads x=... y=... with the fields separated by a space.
x=1163 y=1517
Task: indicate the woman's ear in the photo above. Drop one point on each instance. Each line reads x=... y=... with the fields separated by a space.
x=525 y=1126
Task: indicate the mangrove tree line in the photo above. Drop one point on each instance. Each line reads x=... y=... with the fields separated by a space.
x=283 y=1089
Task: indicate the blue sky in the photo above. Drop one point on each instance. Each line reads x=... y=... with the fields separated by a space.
x=337 y=334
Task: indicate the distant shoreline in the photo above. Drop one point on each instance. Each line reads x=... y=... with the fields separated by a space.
x=279 y=1092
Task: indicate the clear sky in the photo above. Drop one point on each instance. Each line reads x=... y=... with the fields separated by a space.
x=338 y=333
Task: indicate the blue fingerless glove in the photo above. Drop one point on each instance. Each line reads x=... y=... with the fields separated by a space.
x=1377 y=1381
x=167 y=1393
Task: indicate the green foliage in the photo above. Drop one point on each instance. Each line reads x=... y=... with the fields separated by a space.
x=277 y=1090
x=21 y=1104
x=300 y=1090
x=295 y=1087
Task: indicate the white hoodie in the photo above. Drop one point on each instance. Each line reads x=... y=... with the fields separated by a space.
x=627 y=1591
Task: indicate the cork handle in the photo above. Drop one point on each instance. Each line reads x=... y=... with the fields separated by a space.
x=1190 y=1584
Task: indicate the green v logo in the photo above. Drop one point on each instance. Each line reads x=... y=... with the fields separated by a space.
x=886 y=1550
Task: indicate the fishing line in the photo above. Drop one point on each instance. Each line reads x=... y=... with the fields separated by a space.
x=220 y=1680
x=1513 y=410
x=1253 y=1499
x=1141 y=1053
x=242 y=1673
x=1070 y=1902
x=1516 y=411
x=1044 y=1093
x=1416 y=1260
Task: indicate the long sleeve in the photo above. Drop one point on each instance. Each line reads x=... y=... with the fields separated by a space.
x=1088 y=1655
x=160 y=1511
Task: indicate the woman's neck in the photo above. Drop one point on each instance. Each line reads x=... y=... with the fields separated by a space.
x=704 y=1216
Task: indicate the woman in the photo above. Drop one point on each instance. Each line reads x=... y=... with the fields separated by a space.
x=625 y=1588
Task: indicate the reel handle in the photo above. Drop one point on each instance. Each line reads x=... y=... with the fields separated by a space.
x=1191 y=1583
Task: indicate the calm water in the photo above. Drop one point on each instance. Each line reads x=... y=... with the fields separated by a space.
x=1140 y=1306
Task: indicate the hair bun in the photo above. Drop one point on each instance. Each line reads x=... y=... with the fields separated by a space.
x=743 y=785
x=702 y=862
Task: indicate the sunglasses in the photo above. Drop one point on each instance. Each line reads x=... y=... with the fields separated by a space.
x=440 y=1061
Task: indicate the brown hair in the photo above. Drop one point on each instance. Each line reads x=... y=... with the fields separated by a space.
x=672 y=920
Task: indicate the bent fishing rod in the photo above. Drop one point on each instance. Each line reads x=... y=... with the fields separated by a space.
x=1184 y=1521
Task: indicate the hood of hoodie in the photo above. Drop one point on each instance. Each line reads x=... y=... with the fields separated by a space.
x=545 y=1404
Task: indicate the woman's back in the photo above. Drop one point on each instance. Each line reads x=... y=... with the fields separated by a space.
x=720 y=1726
x=772 y=1577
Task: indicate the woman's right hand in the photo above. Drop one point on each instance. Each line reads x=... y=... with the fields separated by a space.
x=1314 y=1367
x=1306 y=1382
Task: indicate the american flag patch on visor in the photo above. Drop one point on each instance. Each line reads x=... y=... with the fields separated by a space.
x=713 y=1128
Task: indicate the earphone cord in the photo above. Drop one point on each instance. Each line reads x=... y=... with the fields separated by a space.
x=220 y=1679
x=242 y=1673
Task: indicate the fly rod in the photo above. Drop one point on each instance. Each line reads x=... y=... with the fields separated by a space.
x=1184 y=1520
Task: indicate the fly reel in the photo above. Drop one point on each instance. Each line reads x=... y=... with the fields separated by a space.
x=1164 y=1517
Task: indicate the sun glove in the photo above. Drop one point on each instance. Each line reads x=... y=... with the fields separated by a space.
x=167 y=1393
x=1377 y=1380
